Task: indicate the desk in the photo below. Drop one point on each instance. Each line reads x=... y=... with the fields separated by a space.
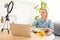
x=5 y=36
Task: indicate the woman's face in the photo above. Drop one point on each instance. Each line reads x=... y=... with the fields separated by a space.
x=44 y=14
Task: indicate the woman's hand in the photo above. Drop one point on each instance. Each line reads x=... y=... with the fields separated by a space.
x=48 y=30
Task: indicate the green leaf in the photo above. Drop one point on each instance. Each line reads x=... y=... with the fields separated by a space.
x=36 y=6
x=37 y=26
x=36 y=17
x=40 y=10
x=43 y=5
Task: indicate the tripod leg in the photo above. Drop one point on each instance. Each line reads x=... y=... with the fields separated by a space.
x=3 y=27
x=2 y=30
x=8 y=26
x=8 y=31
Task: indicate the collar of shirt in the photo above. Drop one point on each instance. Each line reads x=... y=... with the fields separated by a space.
x=42 y=20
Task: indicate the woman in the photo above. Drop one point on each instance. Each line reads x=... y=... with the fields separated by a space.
x=43 y=22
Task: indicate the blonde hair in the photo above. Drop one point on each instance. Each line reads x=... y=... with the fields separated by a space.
x=45 y=10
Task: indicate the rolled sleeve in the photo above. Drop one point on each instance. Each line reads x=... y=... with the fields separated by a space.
x=34 y=23
x=51 y=25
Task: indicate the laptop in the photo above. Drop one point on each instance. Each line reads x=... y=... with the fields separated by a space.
x=20 y=30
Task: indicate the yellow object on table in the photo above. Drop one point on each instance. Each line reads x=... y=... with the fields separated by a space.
x=42 y=33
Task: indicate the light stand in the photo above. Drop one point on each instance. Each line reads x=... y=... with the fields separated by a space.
x=7 y=16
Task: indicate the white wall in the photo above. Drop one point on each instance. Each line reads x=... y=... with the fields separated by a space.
x=54 y=10
x=23 y=9
x=2 y=9
x=24 y=12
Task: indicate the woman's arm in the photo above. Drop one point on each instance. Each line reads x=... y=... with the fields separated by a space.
x=51 y=25
x=50 y=28
x=33 y=23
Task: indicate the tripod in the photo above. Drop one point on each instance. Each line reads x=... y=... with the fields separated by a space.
x=7 y=24
x=9 y=7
